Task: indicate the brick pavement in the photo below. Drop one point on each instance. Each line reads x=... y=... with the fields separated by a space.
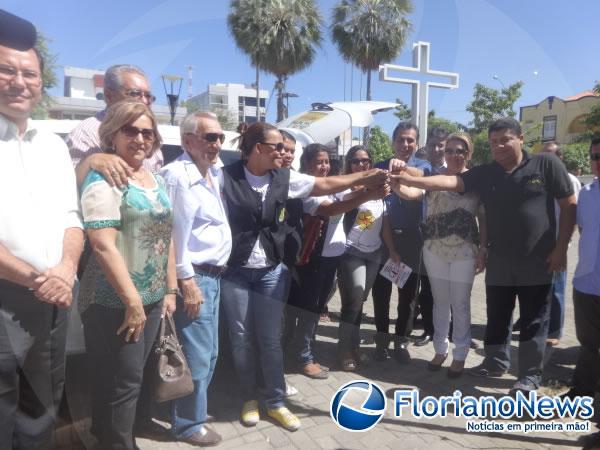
x=312 y=403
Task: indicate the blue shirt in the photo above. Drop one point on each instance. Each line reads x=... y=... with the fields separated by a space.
x=405 y=214
x=587 y=273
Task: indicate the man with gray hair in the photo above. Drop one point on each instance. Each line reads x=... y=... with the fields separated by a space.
x=202 y=239
x=121 y=82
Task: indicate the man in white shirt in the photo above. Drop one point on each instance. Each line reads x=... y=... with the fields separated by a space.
x=202 y=240
x=41 y=239
x=121 y=82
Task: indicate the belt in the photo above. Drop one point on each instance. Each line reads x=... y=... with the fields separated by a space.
x=210 y=269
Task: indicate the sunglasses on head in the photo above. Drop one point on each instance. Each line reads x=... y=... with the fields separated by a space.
x=132 y=132
x=360 y=161
x=456 y=151
x=277 y=146
x=214 y=137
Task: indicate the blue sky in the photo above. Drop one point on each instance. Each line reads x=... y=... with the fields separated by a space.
x=513 y=39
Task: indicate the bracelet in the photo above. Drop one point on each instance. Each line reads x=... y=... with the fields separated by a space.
x=173 y=291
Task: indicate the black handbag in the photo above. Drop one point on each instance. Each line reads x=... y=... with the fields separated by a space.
x=172 y=377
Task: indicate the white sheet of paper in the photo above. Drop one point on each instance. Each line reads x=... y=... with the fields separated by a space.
x=396 y=273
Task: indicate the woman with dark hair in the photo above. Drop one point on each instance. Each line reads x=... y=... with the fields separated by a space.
x=311 y=289
x=367 y=227
x=130 y=281
x=254 y=285
x=454 y=250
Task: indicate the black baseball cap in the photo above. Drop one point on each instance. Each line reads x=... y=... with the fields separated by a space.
x=16 y=32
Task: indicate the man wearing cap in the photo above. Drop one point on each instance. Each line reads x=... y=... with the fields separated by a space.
x=121 y=82
x=41 y=239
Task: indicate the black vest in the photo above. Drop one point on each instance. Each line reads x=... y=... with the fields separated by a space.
x=249 y=219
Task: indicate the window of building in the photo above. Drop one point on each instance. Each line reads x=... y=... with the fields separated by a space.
x=251 y=101
x=549 y=129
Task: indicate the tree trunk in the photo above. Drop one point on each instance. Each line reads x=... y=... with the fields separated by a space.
x=257 y=94
x=280 y=90
x=366 y=130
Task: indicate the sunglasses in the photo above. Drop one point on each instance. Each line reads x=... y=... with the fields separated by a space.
x=213 y=137
x=132 y=132
x=138 y=93
x=279 y=146
x=360 y=161
x=456 y=151
x=595 y=156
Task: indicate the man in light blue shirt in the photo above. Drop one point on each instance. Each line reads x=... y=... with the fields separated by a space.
x=202 y=240
x=586 y=283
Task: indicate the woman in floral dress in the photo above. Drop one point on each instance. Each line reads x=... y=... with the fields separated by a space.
x=130 y=280
x=366 y=228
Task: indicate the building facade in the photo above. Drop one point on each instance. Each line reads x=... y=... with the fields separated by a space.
x=555 y=119
x=83 y=97
x=236 y=101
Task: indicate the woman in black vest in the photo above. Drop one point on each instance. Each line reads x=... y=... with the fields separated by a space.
x=254 y=285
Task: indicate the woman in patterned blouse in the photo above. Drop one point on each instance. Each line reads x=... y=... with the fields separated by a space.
x=130 y=280
x=453 y=252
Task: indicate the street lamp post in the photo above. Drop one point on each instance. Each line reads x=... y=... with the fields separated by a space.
x=170 y=93
x=499 y=80
x=287 y=96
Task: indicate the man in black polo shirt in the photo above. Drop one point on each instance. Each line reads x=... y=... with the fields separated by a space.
x=518 y=191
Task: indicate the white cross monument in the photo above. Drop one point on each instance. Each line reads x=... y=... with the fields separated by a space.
x=420 y=94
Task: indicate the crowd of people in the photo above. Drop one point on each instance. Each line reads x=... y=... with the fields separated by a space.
x=256 y=247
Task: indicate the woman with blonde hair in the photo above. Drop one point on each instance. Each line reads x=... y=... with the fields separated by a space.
x=130 y=280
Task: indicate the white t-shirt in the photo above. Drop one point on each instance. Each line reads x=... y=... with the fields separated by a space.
x=300 y=186
x=335 y=237
x=365 y=234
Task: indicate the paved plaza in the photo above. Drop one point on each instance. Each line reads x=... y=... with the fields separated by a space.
x=312 y=402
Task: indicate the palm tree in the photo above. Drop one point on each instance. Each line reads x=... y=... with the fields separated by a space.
x=370 y=32
x=247 y=30
x=280 y=36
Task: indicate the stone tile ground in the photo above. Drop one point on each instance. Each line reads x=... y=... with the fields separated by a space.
x=312 y=402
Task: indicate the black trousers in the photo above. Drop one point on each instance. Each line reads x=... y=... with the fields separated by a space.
x=587 y=327
x=32 y=368
x=408 y=243
x=527 y=279
x=116 y=372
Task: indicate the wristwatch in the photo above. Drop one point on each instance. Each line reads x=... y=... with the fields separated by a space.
x=173 y=291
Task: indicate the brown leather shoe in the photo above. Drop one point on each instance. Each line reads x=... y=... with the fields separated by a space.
x=205 y=438
x=315 y=370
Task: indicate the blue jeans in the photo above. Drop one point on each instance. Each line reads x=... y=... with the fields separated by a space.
x=253 y=302
x=557 y=307
x=200 y=340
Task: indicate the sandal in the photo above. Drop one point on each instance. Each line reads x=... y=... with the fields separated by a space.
x=348 y=363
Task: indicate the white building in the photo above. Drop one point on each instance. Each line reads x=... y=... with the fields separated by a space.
x=237 y=99
x=84 y=97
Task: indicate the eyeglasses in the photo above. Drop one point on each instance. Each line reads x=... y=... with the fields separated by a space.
x=595 y=156
x=360 y=161
x=10 y=72
x=456 y=151
x=277 y=146
x=132 y=132
x=138 y=93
